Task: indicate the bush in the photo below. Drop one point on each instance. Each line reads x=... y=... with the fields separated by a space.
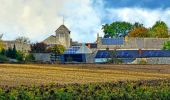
x=29 y=58
x=3 y=58
x=123 y=90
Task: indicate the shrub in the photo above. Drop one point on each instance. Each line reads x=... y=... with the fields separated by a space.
x=3 y=58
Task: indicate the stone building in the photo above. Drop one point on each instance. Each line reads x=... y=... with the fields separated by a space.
x=130 y=43
x=24 y=47
x=62 y=37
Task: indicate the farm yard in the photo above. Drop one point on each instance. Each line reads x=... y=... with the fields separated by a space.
x=90 y=82
x=16 y=74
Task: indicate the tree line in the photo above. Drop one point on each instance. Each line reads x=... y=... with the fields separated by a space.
x=122 y=29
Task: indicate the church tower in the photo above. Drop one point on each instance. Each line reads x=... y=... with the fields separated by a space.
x=63 y=35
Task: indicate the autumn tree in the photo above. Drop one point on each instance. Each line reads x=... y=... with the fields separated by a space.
x=38 y=47
x=116 y=29
x=139 y=32
x=159 y=30
x=1 y=45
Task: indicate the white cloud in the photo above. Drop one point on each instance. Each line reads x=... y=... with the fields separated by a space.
x=38 y=19
x=146 y=16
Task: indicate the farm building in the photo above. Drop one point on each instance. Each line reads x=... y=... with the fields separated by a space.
x=133 y=50
x=130 y=43
x=78 y=54
x=135 y=56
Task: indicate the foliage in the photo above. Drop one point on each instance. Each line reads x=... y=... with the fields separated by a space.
x=139 y=32
x=3 y=58
x=121 y=90
x=20 y=56
x=159 y=30
x=38 y=48
x=166 y=45
x=11 y=52
x=23 y=40
x=29 y=58
x=137 y=24
x=1 y=45
x=58 y=49
x=121 y=29
x=117 y=29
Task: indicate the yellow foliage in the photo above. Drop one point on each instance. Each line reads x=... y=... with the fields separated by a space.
x=139 y=32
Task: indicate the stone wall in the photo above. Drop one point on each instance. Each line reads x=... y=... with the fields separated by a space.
x=136 y=43
x=42 y=57
x=162 y=60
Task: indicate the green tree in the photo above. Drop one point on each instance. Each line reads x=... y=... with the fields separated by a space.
x=166 y=45
x=29 y=58
x=58 y=49
x=117 y=29
x=159 y=30
x=137 y=25
x=20 y=56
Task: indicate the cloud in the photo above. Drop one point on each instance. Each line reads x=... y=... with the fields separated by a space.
x=146 y=16
x=38 y=19
x=83 y=19
x=35 y=19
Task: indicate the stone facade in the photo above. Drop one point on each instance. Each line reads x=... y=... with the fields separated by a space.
x=62 y=37
x=19 y=46
x=136 y=43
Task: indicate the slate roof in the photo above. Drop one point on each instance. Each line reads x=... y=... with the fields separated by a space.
x=134 y=53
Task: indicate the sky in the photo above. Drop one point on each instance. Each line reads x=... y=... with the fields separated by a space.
x=38 y=19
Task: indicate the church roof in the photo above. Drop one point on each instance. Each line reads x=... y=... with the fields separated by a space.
x=63 y=28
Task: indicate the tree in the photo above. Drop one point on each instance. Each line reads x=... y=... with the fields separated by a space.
x=159 y=30
x=38 y=47
x=1 y=45
x=29 y=58
x=20 y=56
x=11 y=52
x=117 y=29
x=139 y=32
x=137 y=25
x=23 y=40
x=166 y=45
x=58 y=49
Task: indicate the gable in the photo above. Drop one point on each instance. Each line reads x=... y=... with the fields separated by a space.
x=63 y=29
